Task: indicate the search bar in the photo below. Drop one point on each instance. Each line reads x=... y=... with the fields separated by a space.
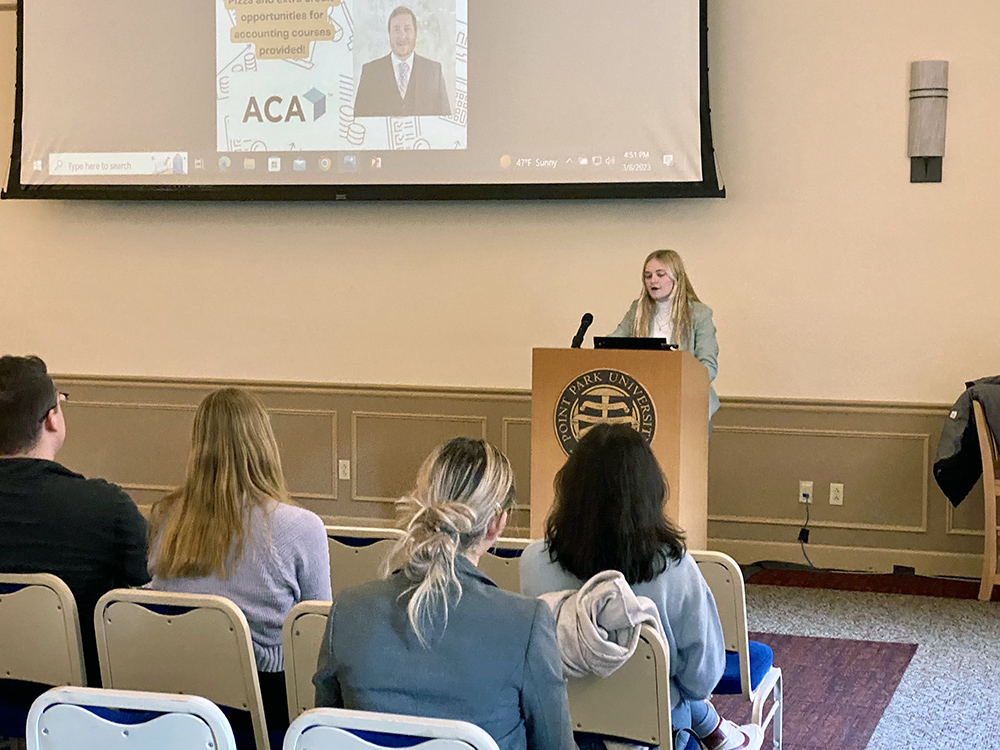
x=113 y=164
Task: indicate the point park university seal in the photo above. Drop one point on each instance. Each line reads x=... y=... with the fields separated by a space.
x=603 y=397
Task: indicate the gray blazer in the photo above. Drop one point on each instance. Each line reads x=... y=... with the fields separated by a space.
x=496 y=664
x=702 y=345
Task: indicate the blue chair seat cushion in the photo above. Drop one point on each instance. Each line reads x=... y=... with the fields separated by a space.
x=16 y=697
x=761 y=659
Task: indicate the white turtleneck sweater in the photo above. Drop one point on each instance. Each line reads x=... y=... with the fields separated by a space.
x=662 y=326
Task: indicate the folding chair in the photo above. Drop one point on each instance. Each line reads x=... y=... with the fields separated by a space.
x=750 y=670
x=991 y=490
x=340 y=729
x=93 y=719
x=502 y=563
x=632 y=703
x=301 y=638
x=195 y=644
x=39 y=644
x=357 y=554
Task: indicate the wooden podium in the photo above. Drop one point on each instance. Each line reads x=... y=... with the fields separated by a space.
x=664 y=395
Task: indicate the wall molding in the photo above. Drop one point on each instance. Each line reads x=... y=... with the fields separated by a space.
x=356 y=415
x=872 y=559
x=278 y=386
x=952 y=530
x=922 y=437
x=905 y=518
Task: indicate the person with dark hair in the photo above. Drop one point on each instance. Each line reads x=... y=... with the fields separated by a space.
x=608 y=515
x=437 y=638
x=402 y=83
x=87 y=532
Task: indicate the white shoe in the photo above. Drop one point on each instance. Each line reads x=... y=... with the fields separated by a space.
x=746 y=737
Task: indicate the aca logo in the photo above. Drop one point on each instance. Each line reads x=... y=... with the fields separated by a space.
x=274 y=109
x=603 y=397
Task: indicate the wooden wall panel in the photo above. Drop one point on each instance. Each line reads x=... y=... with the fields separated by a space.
x=135 y=432
x=387 y=448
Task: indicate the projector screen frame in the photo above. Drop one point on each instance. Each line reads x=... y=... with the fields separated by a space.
x=708 y=187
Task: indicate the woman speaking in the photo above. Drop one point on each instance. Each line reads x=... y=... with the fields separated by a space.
x=669 y=308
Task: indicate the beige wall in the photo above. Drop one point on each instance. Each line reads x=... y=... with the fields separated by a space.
x=832 y=278
x=830 y=274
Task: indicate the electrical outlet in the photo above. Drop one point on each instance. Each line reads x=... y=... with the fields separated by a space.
x=805 y=491
x=836 y=493
x=344 y=469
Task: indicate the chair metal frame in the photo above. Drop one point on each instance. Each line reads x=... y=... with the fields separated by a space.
x=46 y=605
x=330 y=727
x=301 y=640
x=73 y=704
x=729 y=592
x=206 y=649
x=633 y=702
x=991 y=490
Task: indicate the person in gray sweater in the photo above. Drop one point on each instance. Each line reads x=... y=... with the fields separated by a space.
x=438 y=638
x=608 y=515
x=231 y=530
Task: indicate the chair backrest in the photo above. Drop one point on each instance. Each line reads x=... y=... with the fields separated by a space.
x=987 y=447
x=633 y=702
x=357 y=554
x=725 y=579
x=502 y=563
x=95 y=719
x=301 y=638
x=39 y=630
x=170 y=642
x=329 y=728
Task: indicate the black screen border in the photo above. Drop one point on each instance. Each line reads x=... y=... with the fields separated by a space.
x=707 y=187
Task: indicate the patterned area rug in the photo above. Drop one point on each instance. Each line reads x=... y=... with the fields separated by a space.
x=835 y=690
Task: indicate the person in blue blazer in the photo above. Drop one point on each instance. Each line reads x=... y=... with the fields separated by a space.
x=668 y=308
x=402 y=83
x=439 y=639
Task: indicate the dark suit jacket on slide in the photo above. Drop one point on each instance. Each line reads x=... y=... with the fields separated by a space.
x=378 y=94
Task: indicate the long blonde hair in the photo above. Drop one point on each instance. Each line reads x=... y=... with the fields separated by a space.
x=233 y=467
x=681 y=297
x=461 y=487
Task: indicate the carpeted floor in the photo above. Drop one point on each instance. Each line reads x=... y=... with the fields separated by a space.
x=835 y=689
x=951 y=588
x=949 y=695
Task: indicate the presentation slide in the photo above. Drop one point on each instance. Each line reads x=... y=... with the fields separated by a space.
x=233 y=93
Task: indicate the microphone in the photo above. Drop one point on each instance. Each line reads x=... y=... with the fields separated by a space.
x=585 y=322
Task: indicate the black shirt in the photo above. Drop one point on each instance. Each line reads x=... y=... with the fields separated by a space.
x=86 y=531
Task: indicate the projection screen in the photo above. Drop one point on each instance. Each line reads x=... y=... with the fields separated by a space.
x=348 y=99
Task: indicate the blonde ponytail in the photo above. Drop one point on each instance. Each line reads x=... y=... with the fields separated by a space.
x=461 y=487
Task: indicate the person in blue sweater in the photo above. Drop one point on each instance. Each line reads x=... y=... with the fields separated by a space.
x=232 y=530
x=608 y=515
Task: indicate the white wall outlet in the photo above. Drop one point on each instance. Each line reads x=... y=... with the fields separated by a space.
x=805 y=491
x=344 y=469
x=836 y=493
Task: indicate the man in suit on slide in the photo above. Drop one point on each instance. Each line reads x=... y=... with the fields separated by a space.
x=402 y=83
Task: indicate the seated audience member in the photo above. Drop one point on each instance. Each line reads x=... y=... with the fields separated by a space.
x=232 y=530
x=52 y=520
x=439 y=639
x=608 y=515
